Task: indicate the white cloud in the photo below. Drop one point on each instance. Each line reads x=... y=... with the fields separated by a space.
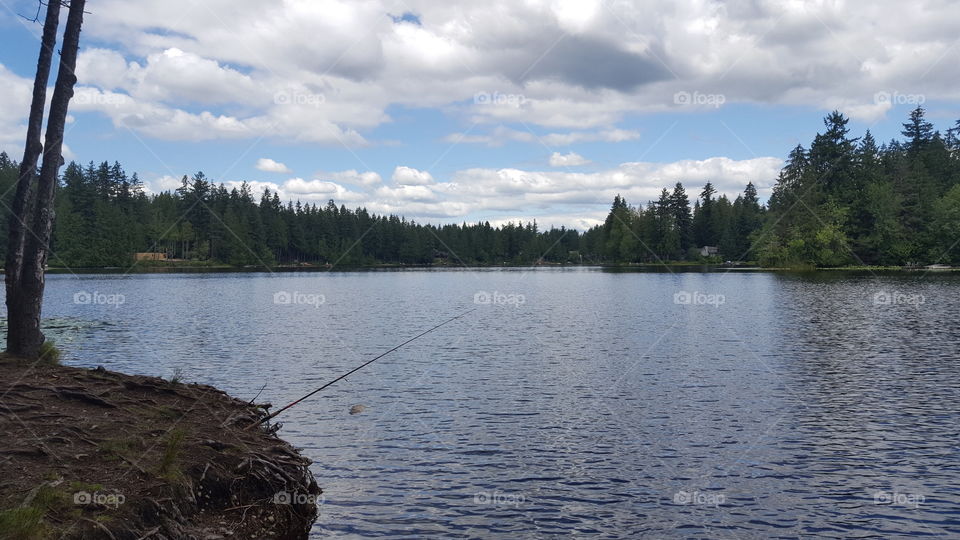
x=368 y=178
x=501 y=135
x=269 y=165
x=163 y=183
x=405 y=193
x=318 y=190
x=520 y=190
x=408 y=176
x=613 y=60
x=545 y=221
x=184 y=77
x=572 y=159
x=104 y=68
x=299 y=186
x=548 y=195
x=608 y=135
x=157 y=120
x=571 y=199
x=14 y=106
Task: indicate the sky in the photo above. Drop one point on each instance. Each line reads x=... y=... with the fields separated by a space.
x=460 y=111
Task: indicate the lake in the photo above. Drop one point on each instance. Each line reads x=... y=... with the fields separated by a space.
x=573 y=400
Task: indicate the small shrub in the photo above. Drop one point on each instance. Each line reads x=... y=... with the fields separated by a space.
x=49 y=353
x=171 y=451
x=27 y=522
x=24 y=523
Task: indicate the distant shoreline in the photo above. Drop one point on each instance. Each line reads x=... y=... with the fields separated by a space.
x=680 y=266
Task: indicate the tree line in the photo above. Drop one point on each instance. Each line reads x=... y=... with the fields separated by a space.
x=104 y=216
x=841 y=201
x=847 y=200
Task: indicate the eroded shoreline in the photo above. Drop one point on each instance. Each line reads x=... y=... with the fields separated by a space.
x=90 y=453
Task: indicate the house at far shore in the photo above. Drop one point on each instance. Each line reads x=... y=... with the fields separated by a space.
x=150 y=256
x=709 y=251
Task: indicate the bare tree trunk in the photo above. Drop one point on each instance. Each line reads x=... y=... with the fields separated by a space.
x=21 y=211
x=27 y=324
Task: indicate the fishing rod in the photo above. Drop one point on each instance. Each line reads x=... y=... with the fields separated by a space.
x=358 y=368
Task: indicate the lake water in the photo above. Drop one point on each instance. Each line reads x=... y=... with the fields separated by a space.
x=573 y=401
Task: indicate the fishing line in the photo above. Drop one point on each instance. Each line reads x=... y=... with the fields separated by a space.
x=358 y=368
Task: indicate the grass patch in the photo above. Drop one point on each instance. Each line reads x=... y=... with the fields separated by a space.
x=119 y=448
x=27 y=522
x=177 y=376
x=165 y=413
x=23 y=524
x=49 y=353
x=168 y=467
x=83 y=486
x=51 y=499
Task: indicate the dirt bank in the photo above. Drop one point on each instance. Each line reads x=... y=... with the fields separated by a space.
x=98 y=454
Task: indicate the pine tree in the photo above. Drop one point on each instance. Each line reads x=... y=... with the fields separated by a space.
x=667 y=237
x=918 y=131
x=704 y=220
x=683 y=220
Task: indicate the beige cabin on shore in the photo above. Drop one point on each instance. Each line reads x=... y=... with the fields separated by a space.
x=150 y=256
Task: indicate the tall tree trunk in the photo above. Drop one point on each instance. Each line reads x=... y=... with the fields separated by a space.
x=27 y=324
x=21 y=211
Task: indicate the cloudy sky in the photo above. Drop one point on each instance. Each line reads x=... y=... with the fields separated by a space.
x=455 y=110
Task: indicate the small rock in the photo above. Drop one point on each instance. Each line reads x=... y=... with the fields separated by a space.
x=357 y=409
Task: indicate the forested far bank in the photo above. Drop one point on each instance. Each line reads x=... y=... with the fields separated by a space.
x=104 y=217
x=841 y=201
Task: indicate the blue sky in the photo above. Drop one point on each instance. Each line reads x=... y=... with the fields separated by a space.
x=509 y=110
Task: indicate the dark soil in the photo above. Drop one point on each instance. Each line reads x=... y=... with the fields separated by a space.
x=98 y=454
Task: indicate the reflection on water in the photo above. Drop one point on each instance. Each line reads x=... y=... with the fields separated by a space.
x=610 y=403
